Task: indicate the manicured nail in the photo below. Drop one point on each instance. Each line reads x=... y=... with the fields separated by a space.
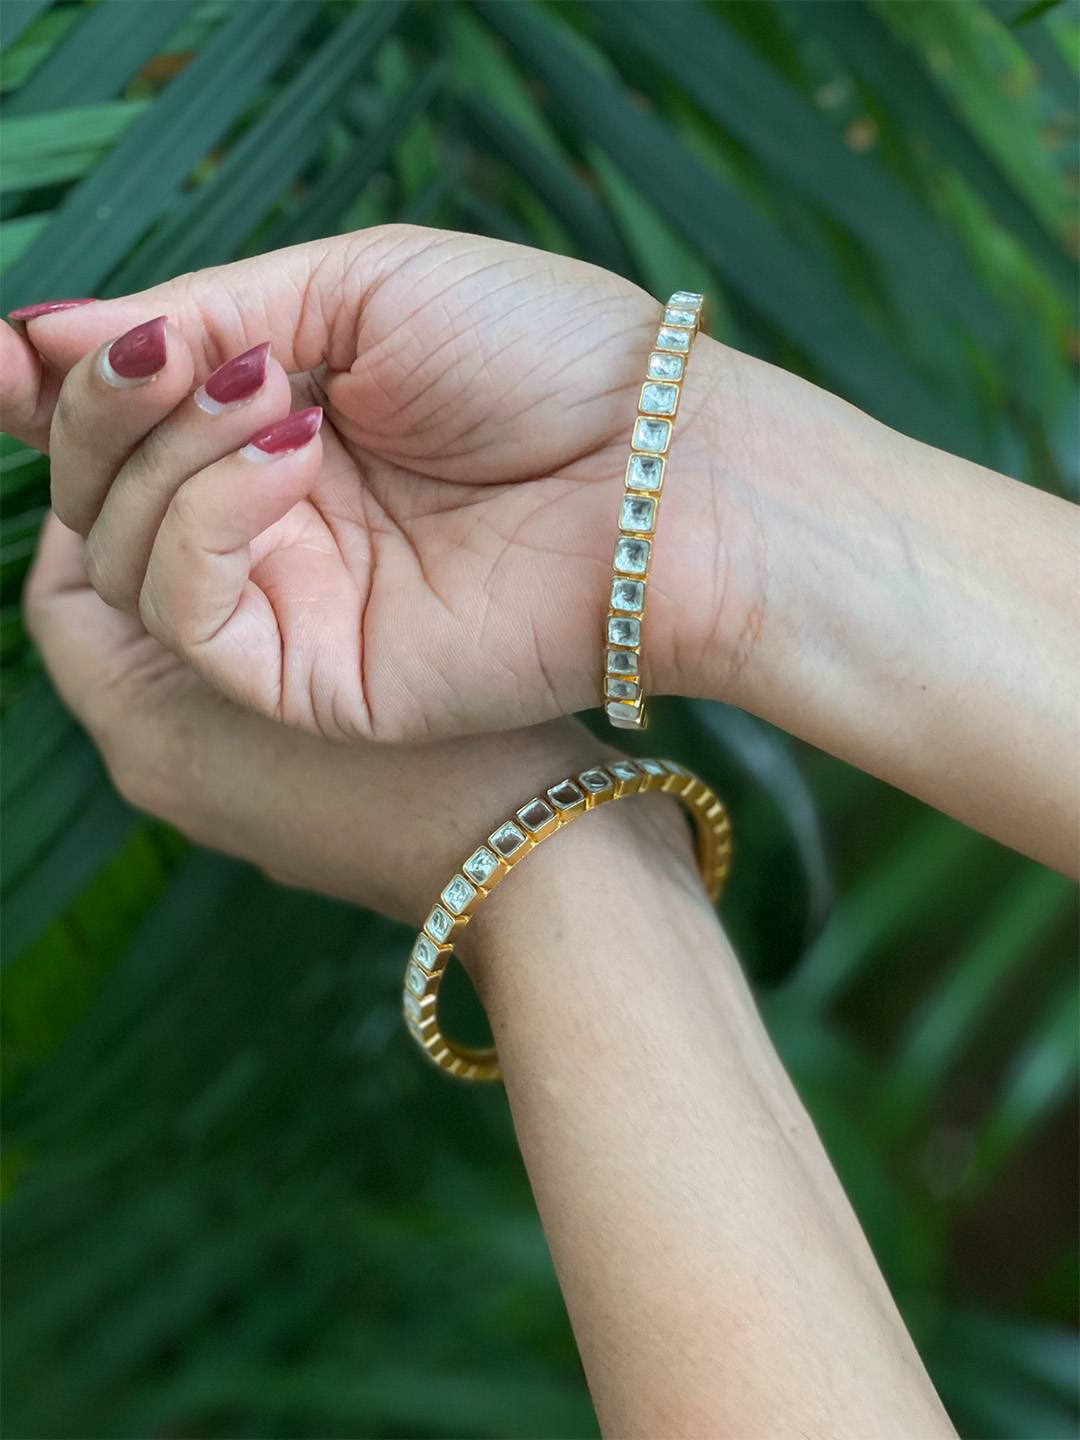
x=235 y=382
x=292 y=433
x=45 y=307
x=137 y=356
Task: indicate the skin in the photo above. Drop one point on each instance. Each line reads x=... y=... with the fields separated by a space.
x=437 y=561
x=742 y=1239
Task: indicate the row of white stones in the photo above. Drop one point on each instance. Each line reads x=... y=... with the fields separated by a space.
x=510 y=842
x=624 y=700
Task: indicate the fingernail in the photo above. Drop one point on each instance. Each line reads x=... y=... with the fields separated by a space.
x=137 y=356
x=235 y=382
x=45 y=307
x=292 y=433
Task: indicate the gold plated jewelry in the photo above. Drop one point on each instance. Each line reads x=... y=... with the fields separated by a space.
x=510 y=842
x=624 y=699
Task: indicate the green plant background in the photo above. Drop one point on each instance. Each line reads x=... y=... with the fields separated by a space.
x=236 y=1204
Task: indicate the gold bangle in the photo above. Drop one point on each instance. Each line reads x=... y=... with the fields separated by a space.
x=510 y=842
x=624 y=698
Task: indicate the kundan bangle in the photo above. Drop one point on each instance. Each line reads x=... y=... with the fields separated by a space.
x=624 y=699
x=510 y=842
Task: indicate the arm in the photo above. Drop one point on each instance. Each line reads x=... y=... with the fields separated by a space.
x=716 y=1278
x=908 y=611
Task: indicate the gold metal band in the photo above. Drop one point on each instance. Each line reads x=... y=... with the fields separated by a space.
x=510 y=842
x=624 y=698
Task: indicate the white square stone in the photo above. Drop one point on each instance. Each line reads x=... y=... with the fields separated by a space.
x=624 y=770
x=566 y=795
x=622 y=662
x=638 y=514
x=669 y=339
x=623 y=631
x=652 y=767
x=645 y=472
x=458 y=895
x=481 y=865
x=595 y=781
x=535 y=815
x=653 y=436
x=616 y=689
x=412 y=1008
x=631 y=556
x=415 y=979
x=658 y=399
x=438 y=924
x=673 y=768
x=507 y=840
x=688 y=299
x=676 y=316
x=424 y=953
x=628 y=595
x=627 y=716
x=666 y=367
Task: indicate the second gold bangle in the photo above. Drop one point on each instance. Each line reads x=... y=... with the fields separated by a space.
x=624 y=697
x=511 y=841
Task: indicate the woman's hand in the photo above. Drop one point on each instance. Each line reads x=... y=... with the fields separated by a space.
x=382 y=826
x=437 y=559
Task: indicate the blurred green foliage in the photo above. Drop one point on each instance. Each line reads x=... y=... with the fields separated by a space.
x=237 y=1205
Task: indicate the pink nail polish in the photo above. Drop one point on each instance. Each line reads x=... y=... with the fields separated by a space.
x=45 y=307
x=235 y=382
x=136 y=356
x=292 y=433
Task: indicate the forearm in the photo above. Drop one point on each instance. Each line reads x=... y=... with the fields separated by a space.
x=910 y=612
x=716 y=1278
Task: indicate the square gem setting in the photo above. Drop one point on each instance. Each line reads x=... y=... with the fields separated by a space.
x=566 y=795
x=623 y=631
x=424 y=953
x=673 y=315
x=658 y=399
x=507 y=840
x=665 y=367
x=638 y=514
x=535 y=815
x=595 y=781
x=616 y=689
x=653 y=436
x=458 y=895
x=671 y=339
x=438 y=924
x=481 y=865
x=628 y=595
x=645 y=472
x=631 y=556
x=622 y=662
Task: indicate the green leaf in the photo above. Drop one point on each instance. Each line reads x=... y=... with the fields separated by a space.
x=17 y=16
x=755 y=103
x=318 y=210
x=100 y=54
x=900 y=82
x=47 y=149
x=1042 y=1078
x=756 y=260
x=950 y=1014
x=208 y=226
x=97 y=221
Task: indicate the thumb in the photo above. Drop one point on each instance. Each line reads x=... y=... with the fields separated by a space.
x=301 y=297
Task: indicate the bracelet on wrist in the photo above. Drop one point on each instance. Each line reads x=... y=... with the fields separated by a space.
x=509 y=843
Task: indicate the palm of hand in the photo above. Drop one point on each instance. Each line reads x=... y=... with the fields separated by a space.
x=447 y=571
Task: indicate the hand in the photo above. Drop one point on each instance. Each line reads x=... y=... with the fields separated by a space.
x=437 y=560
x=382 y=826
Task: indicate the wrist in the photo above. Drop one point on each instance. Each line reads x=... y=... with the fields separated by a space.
x=640 y=847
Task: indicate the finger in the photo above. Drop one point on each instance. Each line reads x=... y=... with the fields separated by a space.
x=74 y=630
x=306 y=298
x=246 y=395
x=107 y=405
x=27 y=389
x=197 y=597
